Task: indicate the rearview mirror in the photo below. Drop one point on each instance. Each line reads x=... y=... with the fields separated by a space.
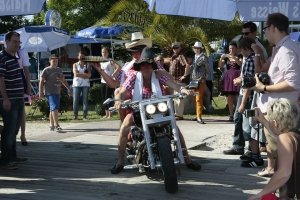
x=107 y=101
x=193 y=85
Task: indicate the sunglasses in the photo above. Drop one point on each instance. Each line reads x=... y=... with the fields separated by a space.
x=175 y=47
x=197 y=48
x=245 y=33
x=159 y=60
x=264 y=28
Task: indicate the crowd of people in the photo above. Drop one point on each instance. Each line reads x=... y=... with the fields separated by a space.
x=276 y=102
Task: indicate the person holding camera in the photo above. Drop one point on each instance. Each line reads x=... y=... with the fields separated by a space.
x=284 y=73
x=242 y=129
x=246 y=97
x=233 y=64
x=281 y=122
x=249 y=31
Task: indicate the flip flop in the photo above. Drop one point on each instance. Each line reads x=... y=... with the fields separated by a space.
x=264 y=173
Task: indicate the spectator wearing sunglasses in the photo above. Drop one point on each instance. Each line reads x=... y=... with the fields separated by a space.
x=249 y=30
x=179 y=69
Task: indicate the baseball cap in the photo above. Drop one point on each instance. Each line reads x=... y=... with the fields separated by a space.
x=175 y=44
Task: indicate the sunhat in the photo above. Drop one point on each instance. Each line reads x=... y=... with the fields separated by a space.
x=198 y=44
x=138 y=40
x=146 y=57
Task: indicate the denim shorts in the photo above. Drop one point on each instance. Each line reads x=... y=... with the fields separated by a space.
x=54 y=101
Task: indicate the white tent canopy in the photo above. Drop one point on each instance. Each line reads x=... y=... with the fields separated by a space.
x=249 y=10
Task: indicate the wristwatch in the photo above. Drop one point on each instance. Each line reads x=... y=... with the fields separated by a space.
x=265 y=88
x=41 y=92
x=257 y=54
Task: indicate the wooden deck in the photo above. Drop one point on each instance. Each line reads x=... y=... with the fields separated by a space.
x=77 y=166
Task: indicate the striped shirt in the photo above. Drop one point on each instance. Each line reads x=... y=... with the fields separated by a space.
x=10 y=70
x=178 y=64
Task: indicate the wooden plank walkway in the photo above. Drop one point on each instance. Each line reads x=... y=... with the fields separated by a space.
x=77 y=166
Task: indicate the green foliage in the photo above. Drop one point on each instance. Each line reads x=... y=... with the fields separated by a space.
x=99 y=109
x=95 y=94
x=165 y=29
x=10 y=23
x=77 y=14
x=43 y=104
x=120 y=53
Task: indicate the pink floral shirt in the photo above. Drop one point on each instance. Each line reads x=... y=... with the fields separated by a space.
x=147 y=92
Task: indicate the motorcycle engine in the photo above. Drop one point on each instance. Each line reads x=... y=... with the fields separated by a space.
x=136 y=134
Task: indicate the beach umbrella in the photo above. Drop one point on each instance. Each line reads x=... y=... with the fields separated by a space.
x=102 y=32
x=295 y=36
x=42 y=38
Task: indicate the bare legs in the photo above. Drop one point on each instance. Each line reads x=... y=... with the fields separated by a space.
x=53 y=116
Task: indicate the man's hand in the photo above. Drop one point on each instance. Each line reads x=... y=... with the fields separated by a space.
x=6 y=105
x=187 y=92
x=181 y=78
x=256 y=49
x=237 y=81
x=241 y=108
x=97 y=66
x=117 y=104
x=259 y=87
x=70 y=92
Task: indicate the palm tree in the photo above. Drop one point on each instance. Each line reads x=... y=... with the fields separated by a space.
x=165 y=29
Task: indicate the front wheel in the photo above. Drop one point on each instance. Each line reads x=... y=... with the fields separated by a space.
x=167 y=162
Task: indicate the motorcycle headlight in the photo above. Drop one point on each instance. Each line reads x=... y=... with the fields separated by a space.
x=162 y=107
x=150 y=109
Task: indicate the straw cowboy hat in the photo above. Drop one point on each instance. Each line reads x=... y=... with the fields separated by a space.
x=137 y=39
x=198 y=44
x=146 y=57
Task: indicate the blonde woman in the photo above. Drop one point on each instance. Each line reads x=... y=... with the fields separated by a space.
x=282 y=119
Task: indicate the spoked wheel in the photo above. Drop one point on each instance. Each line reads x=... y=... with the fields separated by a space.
x=167 y=162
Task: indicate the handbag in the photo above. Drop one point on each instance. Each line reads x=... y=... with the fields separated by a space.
x=273 y=196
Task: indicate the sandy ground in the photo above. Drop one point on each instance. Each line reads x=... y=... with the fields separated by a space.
x=34 y=128
x=218 y=143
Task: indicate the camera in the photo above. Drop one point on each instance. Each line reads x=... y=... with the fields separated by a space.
x=248 y=82
x=251 y=113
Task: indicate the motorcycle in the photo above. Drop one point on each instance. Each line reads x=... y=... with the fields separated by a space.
x=155 y=143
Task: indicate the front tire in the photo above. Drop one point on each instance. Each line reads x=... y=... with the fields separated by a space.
x=167 y=162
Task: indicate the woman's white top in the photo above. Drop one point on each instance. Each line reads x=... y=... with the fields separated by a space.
x=108 y=69
x=78 y=81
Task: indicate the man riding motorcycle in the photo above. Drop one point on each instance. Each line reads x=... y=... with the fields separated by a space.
x=147 y=85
